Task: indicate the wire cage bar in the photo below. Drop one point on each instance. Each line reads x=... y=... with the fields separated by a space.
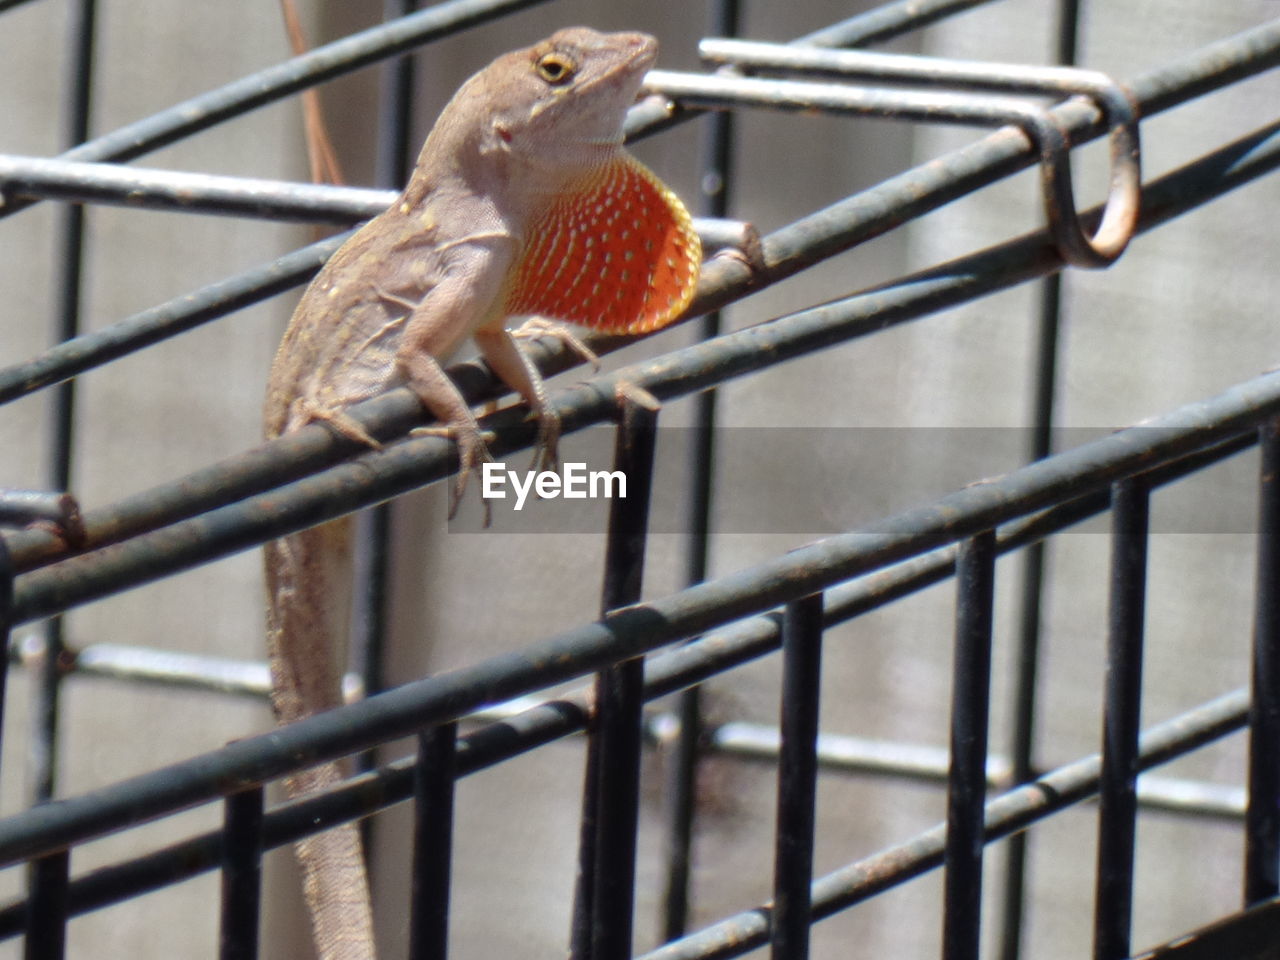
x=465 y=720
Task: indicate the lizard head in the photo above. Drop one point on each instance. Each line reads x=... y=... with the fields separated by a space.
x=575 y=87
x=546 y=114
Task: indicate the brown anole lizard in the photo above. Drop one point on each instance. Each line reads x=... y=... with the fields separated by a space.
x=523 y=202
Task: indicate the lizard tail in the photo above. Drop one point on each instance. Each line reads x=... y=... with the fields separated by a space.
x=309 y=586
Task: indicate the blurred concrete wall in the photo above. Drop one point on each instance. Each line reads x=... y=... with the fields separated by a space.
x=1188 y=311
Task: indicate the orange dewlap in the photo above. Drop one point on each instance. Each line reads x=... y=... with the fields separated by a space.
x=619 y=255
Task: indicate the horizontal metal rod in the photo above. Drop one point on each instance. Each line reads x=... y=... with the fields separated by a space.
x=656 y=114
x=58 y=510
x=845 y=753
x=1041 y=128
x=840 y=753
x=905 y=68
x=174 y=669
x=720 y=91
x=266 y=86
x=153 y=189
x=1005 y=815
x=143 y=188
x=165 y=668
x=785 y=252
x=397 y=36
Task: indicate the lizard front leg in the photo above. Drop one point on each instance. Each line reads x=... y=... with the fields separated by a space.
x=439 y=395
x=514 y=368
x=458 y=305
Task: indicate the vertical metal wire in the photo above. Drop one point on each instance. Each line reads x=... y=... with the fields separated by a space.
x=1262 y=815
x=584 y=890
x=435 y=781
x=369 y=625
x=241 y=875
x=1026 y=667
x=47 y=907
x=681 y=785
x=605 y=899
x=6 y=628
x=393 y=162
x=1121 y=717
x=797 y=779
x=395 y=108
x=619 y=694
x=79 y=84
x=967 y=780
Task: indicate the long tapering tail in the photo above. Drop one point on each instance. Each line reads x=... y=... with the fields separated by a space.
x=309 y=601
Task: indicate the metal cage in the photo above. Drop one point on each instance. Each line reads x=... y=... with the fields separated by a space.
x=487 y=712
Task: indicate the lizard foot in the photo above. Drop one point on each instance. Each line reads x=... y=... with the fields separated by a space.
x=340 y=421
x=538 y=327
x=546 y=449
x=624 y=391
x=473 y=451
x=749 y=251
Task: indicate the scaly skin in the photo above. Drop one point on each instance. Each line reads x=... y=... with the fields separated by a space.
x=523 y=201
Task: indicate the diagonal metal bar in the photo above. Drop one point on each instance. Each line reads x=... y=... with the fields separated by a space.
x=376 y=476
x=786 y=251
x=644 y=627
x=865 y=215
x=266 y=86
x=532 y=727
x=887 y=21
x=1006 y=814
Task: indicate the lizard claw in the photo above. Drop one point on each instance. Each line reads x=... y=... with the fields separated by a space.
x=546 y=449
x=538 y=327
x=340 y=422
x=625 y=391
x=473 y=451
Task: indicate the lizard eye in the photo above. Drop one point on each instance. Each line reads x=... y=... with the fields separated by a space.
x=556 y=68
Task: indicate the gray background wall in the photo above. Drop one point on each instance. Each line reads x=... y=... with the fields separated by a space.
x=1188 y=311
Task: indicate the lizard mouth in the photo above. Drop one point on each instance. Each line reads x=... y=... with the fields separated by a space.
x=644 y=54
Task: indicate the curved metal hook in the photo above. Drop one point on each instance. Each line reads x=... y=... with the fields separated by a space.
x=1124 y=197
